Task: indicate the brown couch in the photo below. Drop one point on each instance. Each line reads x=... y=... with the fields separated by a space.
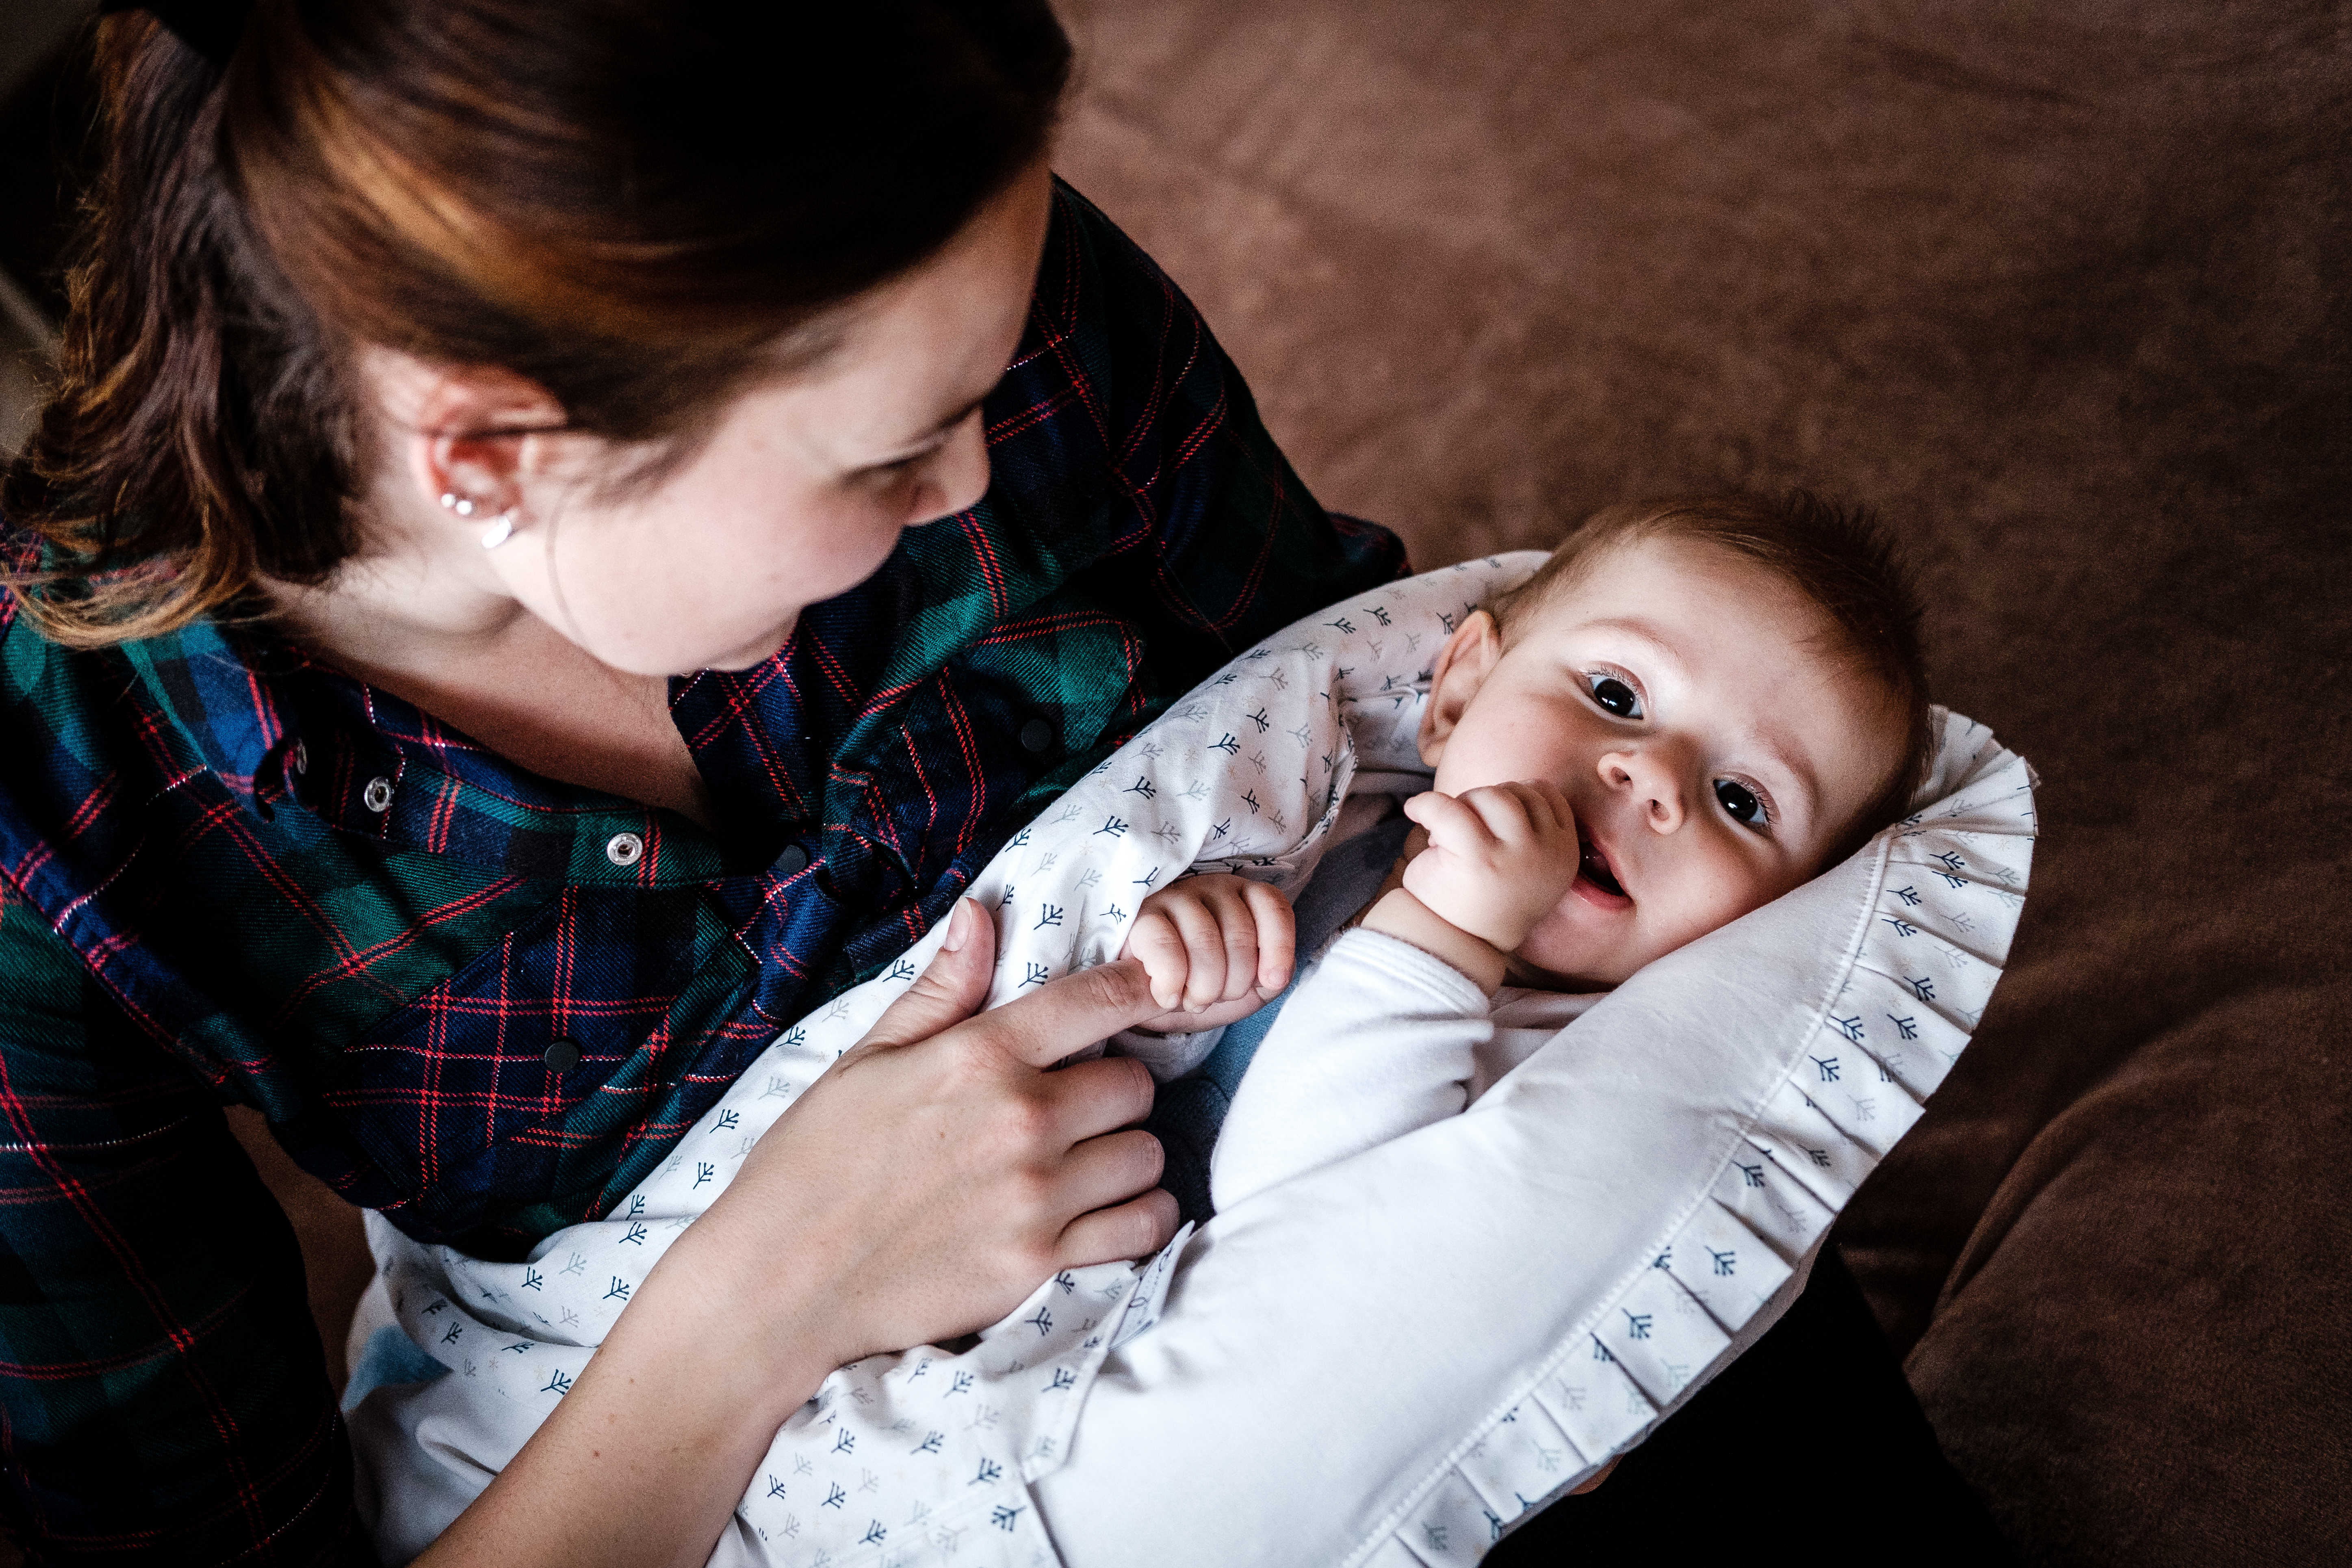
x=2063 y=291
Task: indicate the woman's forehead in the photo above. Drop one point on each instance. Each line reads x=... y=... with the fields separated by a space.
x=910 y=357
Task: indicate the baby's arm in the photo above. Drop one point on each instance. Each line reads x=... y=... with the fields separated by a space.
x=1379 y=1040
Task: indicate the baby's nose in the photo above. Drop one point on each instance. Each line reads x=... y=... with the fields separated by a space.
x=1652 y=782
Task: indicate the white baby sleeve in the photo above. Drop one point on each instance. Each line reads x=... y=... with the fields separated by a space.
x=1379 y=1039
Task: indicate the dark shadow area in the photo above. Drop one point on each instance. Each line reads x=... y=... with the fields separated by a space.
x=1818 y=1406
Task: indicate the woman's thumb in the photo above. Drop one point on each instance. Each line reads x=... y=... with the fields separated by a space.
x=951 y=989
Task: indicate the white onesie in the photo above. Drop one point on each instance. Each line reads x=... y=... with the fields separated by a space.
x=1380 y=1038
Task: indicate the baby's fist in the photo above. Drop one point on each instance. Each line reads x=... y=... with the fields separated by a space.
x=1499 y=857
x=1217 y=948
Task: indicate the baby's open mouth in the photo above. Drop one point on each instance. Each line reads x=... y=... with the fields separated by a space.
x=1594 y=867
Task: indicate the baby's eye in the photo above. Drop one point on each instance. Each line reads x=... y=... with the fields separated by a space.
x=1741 y=802
x=1615 y=696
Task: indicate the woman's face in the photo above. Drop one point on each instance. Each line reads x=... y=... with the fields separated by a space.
x=804 y=485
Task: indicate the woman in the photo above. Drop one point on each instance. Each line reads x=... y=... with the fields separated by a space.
x=537 y=574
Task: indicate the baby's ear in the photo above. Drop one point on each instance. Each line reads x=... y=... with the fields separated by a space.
x=1463 y=665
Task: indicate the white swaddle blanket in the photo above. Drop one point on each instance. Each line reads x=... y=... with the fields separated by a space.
x=1387 y=1360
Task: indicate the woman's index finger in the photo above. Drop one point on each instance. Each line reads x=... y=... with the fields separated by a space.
x=1069 y=1014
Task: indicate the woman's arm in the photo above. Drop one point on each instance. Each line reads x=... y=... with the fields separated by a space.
x=163 y=1394
x=918 y=1190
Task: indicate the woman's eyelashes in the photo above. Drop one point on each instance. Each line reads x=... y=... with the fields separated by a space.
x=885 y=474
x=1614 y=693
x=1743 y=804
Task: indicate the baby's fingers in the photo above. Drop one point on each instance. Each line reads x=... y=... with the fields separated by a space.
x=1155 y=940
x=1451 y=822
x=1204 y=950
x=1276 y=936
x=1555 y=801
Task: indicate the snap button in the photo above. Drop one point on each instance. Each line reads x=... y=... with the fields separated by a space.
x=792 y=862
x=562 y=1054
x=1036 y=735
x=302 y=757
x=624 y=849
x=377 y=796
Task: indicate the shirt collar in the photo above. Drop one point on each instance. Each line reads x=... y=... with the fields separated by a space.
x=279 y=730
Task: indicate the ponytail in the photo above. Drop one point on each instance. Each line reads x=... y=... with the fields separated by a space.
x=198 y=434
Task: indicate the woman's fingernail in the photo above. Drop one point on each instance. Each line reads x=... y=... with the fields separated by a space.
x=959 y=928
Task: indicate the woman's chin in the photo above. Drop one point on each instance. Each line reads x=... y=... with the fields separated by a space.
x=749 y=654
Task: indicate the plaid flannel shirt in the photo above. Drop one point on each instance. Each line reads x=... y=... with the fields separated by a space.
x=487 y=1002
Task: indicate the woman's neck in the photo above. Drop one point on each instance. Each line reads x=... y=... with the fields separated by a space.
x=491 y=668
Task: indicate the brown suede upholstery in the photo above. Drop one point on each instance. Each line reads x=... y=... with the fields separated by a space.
x=2063 y=291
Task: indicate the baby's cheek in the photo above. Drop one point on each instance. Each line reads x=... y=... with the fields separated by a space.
x=1562 y=944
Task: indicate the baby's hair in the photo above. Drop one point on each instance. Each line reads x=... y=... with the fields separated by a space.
x=1841 y=558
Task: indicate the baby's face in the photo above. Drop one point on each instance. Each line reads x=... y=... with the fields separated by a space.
x=1680 y=699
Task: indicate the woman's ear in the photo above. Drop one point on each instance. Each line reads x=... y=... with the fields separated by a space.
x=1463 y=665
x=466 y=431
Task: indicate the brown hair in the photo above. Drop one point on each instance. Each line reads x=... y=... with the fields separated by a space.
x=635 y=204
x=1841 y=558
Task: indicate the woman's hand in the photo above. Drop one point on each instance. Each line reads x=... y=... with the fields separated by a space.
x=919 y=1189
x=936 y=1174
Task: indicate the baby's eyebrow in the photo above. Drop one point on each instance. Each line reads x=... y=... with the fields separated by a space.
x=1772 y=741
x=1647 y=632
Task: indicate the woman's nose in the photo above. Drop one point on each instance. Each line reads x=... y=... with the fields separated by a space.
x=958 y=475
x=1650 y=781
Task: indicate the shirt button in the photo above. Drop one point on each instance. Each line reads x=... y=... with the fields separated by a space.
x=792 y=862
x=624 y=849
x=302 y=757
x=561 y=1056
x=1036 y=735
x=377 y=796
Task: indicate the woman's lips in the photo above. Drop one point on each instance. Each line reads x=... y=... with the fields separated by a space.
x=1596 y=881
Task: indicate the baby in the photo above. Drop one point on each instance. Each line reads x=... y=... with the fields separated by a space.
x=1692 y=708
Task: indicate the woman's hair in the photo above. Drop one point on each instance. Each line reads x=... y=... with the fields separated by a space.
x=637 y=205
x=1842 y=559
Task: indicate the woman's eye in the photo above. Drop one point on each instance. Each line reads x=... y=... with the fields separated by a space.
x=1741 y=802
x=882 y=475
x=1615 y=696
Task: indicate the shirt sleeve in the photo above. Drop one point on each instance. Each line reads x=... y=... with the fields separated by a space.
x=1379 y=1039
x=164 y=1396
x=1235 y=547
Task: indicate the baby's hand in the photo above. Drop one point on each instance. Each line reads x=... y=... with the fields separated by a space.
x=1217 y=948
x=1499 y=857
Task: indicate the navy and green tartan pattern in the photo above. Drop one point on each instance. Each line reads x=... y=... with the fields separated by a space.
x=231 y=873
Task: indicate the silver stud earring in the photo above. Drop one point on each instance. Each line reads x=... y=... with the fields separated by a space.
x=501 y=528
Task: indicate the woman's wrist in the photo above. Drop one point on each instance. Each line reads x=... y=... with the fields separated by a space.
x=759 y=1306
x=645 y=1457
x=1399 y=914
